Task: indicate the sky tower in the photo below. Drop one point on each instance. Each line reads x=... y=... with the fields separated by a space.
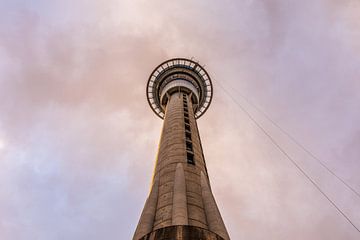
x=180 y=204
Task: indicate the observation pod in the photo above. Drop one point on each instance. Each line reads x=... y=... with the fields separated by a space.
x=179 y=74
x=180 y=204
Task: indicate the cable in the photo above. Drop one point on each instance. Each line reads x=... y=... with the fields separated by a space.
x=299 y=144
x=287 y=156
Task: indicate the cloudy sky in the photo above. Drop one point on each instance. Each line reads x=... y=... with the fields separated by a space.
x=78 y=140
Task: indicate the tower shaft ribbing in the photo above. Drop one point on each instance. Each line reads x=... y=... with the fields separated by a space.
x=180 y=203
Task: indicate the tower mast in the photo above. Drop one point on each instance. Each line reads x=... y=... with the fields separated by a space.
x=180 y=204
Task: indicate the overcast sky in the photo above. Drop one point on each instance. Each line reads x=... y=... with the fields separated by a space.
x=78 y=140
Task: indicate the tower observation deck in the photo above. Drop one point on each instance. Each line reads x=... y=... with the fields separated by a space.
x=180 y=204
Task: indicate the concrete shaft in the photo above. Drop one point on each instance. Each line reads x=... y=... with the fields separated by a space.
x=181 y=193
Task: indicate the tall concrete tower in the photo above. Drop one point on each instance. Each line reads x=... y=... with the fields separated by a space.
x=180 y=204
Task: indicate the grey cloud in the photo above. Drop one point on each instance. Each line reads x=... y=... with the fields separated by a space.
x=80 y=140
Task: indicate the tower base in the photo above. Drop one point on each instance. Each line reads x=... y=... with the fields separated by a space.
x=183 y=232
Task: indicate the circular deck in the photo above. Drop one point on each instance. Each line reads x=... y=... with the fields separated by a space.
x=184 y=70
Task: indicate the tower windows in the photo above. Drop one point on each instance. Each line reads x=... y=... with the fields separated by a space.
x=189 y=146
x=187 y=136
x=190 y=158
x=188 y=140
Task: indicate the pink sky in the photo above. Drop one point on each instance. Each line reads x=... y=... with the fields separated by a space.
x=78 y=140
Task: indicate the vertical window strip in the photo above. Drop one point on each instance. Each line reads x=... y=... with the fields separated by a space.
x=188 y=139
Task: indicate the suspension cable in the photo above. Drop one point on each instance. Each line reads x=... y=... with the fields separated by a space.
x=301 y=146
x=287 y=155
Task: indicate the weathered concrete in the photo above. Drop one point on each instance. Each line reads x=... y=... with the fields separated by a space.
x=180 y=211
x=182 y=195
x=146 y=221
x=181 y=233
x=214 y=219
